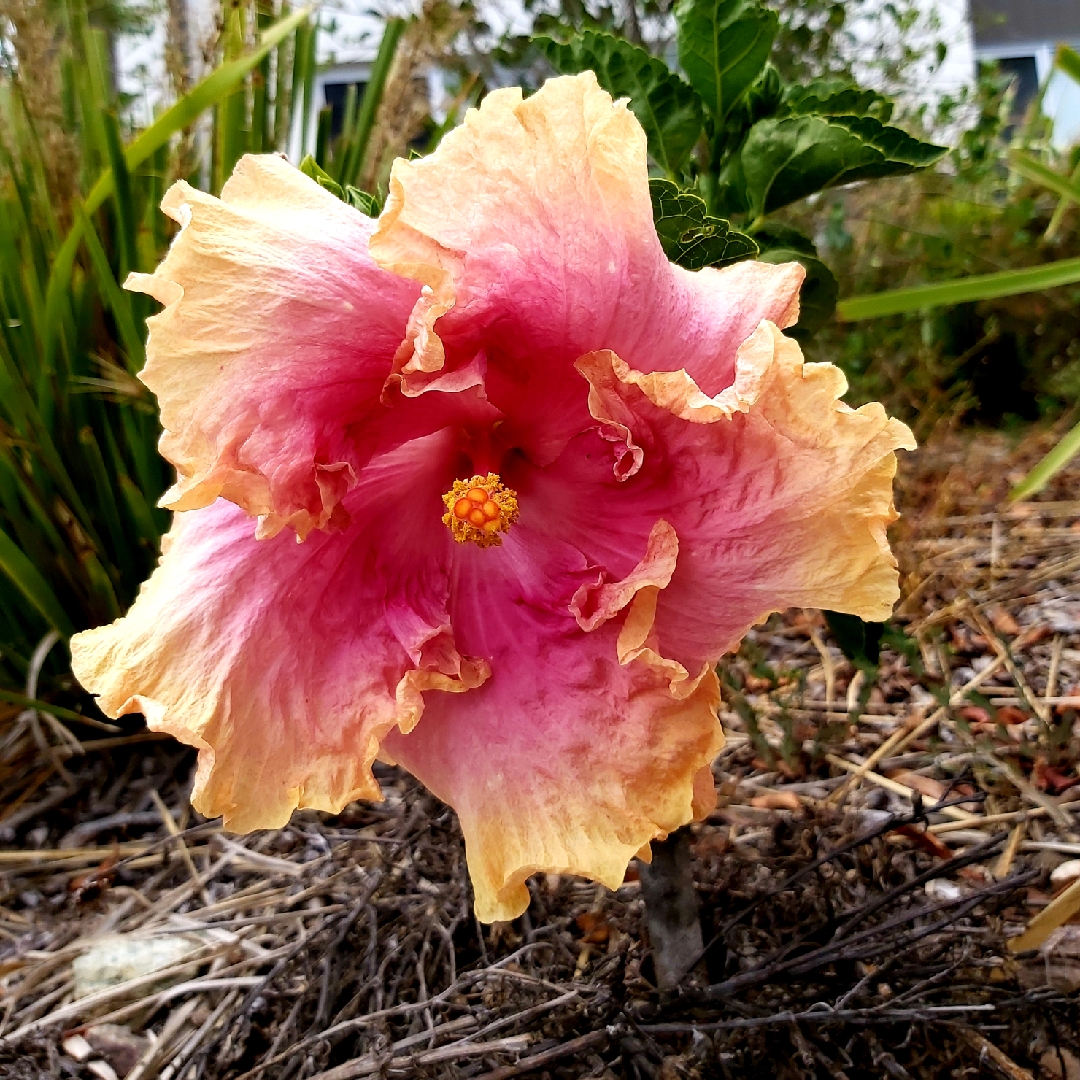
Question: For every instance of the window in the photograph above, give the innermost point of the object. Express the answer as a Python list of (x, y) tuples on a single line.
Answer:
[(1024, 76), (335, 94)]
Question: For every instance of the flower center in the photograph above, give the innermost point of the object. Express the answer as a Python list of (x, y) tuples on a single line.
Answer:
[(479, 509)]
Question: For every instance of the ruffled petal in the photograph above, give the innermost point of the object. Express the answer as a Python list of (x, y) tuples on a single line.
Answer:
[(779, 493), (531, 227), (277, 339), (566, 760), (287, 663)]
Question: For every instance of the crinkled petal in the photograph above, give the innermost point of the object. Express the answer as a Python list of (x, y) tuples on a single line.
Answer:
[(532, 227), (277, 339), (287, 663), (779, 493), (566, 760)]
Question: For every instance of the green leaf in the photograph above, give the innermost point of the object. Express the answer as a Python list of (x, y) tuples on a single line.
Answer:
[(965, 290), (859, 641), (688, 235), (310, 167), (35, 590), (835, 97), (1068, 60), (362, 201), (48, 707), (1049, 467), (723, 46), (360, 136), (786, 160), (817, 298), (357, 199), (219, 83), (141, 513), (765, 94), (1030, 167), (123, 197), (668, 109), (119, 301)]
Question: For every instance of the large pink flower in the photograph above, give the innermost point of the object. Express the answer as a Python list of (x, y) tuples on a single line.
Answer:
[(543, 477)]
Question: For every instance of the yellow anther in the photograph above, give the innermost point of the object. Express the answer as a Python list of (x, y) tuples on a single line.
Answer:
[(479, 509)]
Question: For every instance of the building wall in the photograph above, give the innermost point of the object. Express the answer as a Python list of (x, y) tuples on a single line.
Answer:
[(970, 29), (1026, 33), (1004, 22)]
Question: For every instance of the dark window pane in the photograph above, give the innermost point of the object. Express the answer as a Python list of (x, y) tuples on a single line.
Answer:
[(1024, 76), (335, 98)]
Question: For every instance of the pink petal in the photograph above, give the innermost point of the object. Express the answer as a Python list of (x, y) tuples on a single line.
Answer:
[(532, 227), (779, 493), (287, 663), (566, 760), (278, 336)]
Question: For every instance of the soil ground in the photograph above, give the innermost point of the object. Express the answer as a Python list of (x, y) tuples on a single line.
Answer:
[(886, 885)]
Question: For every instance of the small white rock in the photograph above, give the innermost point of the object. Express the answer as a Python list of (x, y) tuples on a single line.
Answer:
[(939, 889), (117, 958), (102, 1070), (77, 1047), (1065, 874)]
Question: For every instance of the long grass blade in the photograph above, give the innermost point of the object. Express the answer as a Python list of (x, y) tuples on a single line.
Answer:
[(1029, 167), (206, 93), (22, 573), (979, 287), (117, 300), (1068, 60), (231, 141), (1049, 467), (123, 197), (369, 105)]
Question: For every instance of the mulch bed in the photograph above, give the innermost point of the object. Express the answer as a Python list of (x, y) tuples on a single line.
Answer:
[(883, 837)]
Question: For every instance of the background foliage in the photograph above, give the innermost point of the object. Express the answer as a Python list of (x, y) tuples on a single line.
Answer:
[(762, 143)]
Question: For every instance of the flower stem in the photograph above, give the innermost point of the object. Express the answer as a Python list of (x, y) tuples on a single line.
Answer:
[(672, 913)]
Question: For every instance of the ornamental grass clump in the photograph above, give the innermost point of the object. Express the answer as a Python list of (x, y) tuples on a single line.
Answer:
[(543, 480)]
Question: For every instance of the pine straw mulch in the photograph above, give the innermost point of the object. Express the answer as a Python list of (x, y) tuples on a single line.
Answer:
[(881, 839)]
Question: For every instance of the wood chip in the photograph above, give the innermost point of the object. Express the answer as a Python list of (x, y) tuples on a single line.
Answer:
[(1055, 914)]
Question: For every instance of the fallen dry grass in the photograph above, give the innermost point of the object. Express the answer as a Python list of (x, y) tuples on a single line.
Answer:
[(887, 885)]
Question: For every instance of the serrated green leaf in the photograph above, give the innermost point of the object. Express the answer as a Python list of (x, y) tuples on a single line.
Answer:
[(688, 235), (835, 97), (785, 160), (668, 109), (765, 93), (762, 100), (723, 46), (817, 298)]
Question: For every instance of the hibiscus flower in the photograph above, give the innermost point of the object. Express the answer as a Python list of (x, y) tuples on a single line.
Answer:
[(543, 480)]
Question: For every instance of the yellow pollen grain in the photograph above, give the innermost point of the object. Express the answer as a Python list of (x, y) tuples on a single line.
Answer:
[(480, 509)]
